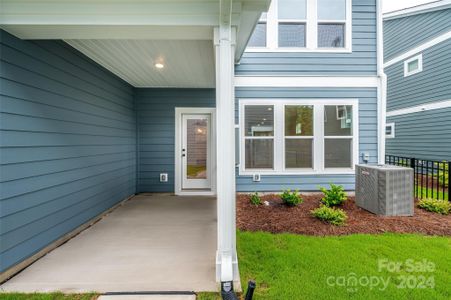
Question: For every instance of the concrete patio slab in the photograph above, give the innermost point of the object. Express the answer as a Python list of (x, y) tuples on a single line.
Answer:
[(153, 242)]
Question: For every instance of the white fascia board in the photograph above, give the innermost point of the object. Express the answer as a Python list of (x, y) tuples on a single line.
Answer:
[(305, 81), (420, 108), (420, 9), (100, 32), (422, 47)]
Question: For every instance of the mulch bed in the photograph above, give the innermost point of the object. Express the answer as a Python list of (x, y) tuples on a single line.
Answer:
[(277, 218)]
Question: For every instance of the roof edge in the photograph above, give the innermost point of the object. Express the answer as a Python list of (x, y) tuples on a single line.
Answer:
[(419, 9)]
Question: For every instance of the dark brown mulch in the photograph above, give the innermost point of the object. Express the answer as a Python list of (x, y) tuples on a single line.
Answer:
[(277, 218)]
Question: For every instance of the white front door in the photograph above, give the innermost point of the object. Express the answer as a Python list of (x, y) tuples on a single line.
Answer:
[(196, 140)]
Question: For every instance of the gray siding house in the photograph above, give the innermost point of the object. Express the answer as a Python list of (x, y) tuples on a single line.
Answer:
[(417, 55), (182, 97)]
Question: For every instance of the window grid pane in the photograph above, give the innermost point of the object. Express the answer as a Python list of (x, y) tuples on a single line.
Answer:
[(413, 65), (259, 153), (338, 120), (298, 120), (338, 153), (331, 9), (298, 153), (259, 120), (331, 35), (291, 35), (292, 9)]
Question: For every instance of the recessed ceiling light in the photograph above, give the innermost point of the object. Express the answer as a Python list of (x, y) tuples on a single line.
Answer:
[(159, 66)]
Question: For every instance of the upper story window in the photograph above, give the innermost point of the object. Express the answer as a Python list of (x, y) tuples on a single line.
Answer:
[(413, 65), (304, 26)]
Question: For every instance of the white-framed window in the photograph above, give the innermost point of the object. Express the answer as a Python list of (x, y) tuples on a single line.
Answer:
[(413, 65), (281, 136), (304, 26), (390, 130)]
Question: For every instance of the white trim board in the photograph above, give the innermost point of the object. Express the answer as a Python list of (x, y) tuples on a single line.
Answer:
[(419, 9), (304, 81), (420, 108), (422, 47)]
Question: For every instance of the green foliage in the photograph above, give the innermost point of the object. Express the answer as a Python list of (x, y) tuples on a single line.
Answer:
[(433, 205), (334, 216), (255, 199), (291, 198), (443, 174), (334, 196), (47, 296)]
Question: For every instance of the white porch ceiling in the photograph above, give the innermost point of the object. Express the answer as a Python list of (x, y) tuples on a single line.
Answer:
[(129, 36), (187, 63)]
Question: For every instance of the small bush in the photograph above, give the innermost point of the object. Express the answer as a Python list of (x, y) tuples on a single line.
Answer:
[(291, 198), (334, 216), (438, 206), (334, 196), (443, 174), (255, 199)]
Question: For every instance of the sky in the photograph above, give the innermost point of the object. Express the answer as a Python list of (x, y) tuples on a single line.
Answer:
[(391, 5)]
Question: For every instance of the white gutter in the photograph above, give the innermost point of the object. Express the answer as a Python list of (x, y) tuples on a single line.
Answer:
[(382, 89)]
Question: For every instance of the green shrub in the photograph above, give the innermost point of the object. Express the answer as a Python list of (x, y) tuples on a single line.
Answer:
[(334, 216), (255, 199), (438, 206), (334, 196), (443, 174), (291, 198)]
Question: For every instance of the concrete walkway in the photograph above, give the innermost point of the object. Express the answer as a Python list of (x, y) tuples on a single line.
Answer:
[(153, 242)]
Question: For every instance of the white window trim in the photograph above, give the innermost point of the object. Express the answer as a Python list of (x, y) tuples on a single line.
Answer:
[(392, 134), (418, 57), (311, 31), (318, 138)]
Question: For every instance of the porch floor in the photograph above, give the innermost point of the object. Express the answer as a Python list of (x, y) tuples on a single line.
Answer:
[(154, 242)]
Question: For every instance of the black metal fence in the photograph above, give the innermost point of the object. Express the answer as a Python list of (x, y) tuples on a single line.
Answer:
[(431, 178)]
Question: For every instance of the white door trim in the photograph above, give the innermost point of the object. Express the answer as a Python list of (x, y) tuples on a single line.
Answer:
[(179, 112)]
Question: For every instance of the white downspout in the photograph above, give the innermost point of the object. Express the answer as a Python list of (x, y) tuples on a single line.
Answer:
[(382, 87)]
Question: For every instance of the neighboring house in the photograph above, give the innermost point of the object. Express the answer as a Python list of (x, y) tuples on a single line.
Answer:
[(417, 54), (149, 96)]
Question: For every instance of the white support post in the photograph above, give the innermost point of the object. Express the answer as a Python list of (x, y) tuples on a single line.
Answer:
[(224, 40)]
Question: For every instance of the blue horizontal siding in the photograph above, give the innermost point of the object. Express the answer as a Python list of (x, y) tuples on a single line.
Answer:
[(362, 60), (67, 143), (156, 131), (423, 135), (367, 136), (430, 85), (403, 34)]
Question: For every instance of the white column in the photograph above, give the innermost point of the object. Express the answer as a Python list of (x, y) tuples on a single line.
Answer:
[(226, 258)]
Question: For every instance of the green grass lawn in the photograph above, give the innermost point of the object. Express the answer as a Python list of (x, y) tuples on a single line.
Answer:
[(49, 296), (288, 266)]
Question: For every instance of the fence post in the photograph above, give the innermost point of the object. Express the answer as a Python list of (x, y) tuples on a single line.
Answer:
[(413, 166), (449, 180)]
